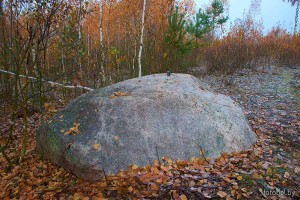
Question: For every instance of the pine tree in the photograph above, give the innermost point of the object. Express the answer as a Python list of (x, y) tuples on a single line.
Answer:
[(175, 39)]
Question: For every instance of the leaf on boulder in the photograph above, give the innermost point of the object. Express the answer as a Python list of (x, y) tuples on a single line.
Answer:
[(96, 147), (74, 130), (119, 94), (117, 138)]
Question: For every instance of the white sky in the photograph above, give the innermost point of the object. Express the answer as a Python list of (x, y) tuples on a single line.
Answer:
[(272, 12)]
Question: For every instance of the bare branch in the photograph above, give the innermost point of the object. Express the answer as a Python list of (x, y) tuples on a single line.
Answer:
[(50, 82)]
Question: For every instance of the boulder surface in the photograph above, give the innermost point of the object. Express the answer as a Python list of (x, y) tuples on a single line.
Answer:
[(138, 120)]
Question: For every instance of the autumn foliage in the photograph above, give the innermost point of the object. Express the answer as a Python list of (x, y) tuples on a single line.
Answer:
[(245, 46)]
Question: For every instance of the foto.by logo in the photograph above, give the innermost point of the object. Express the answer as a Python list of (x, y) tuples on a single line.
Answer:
[(279, 192)]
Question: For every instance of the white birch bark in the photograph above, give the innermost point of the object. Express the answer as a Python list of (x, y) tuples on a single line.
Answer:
[(296, 18), (141, 40), (101, 41), (79, 36), (50, 82)]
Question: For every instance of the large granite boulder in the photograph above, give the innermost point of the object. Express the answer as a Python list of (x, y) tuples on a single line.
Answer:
[(135, 121)]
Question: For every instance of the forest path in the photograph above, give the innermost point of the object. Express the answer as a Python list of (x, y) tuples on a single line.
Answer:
[(270, 97)]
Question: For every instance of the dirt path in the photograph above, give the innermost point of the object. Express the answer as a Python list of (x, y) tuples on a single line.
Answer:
[(270, 97)]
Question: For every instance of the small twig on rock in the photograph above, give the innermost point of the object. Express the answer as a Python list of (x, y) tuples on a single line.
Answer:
[(104, 174), (202, 154), (157, 155)]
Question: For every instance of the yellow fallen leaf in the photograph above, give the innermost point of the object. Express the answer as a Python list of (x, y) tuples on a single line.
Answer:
[(49, 107), (134, 167), (286, 175), (74, 129), (155, 171), (239, 178), (117, 138), (96, 147), (222, 194), (130, 189), (256, 176), (269, 171), (182, 197), (297, 170), (61, 116), (143, 170)]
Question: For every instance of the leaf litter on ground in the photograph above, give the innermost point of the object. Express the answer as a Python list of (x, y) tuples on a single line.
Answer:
[(272, 164)]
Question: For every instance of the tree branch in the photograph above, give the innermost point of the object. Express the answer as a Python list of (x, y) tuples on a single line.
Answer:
[(50, 82)]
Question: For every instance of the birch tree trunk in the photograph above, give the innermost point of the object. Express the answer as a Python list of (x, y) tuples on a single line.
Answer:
[(79, 37), (141, 40), (101, 41), (296, 17)]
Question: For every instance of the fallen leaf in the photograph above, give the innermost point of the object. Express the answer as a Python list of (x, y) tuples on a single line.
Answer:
[(269, 171), (286, 175), (117, 138), (130, 189), (154, 187), (227, 179), (256, 176), (239, 178), (74, 129), (134, 167), (119, 94), (297, 170), (49, 107), (183, 197), (96, 147), (222, 194)]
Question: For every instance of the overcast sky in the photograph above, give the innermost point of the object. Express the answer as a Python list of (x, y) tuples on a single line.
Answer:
[(272, 12)]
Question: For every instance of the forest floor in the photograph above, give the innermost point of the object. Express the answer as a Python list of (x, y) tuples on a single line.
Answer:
[(271, 101)]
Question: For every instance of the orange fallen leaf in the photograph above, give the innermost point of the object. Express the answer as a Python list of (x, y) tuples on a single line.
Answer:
[(119, 94), (74, 129), (96, 147), (183, 197), (227, 179), (154, 187)]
